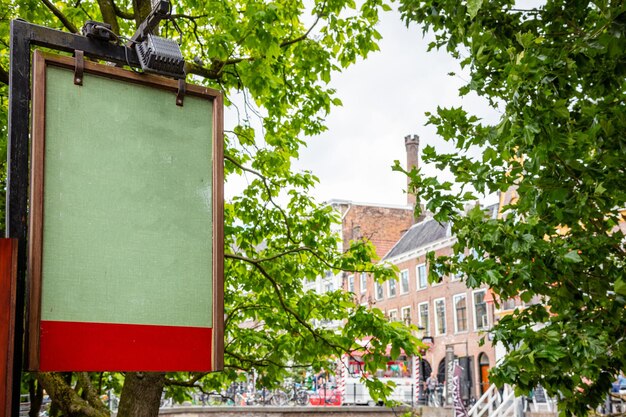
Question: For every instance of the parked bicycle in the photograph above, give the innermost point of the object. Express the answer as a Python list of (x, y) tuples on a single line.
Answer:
[(299, 395), (241, 394), (267, 397)]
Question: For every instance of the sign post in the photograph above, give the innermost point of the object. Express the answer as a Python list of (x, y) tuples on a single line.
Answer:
[(120, 247)]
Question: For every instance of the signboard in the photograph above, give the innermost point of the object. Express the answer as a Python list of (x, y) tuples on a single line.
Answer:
[(126, 222), (457, 401)]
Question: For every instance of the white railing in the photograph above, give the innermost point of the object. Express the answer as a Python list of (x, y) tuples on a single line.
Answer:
[(510, 405), (495, 404), (490, 400)]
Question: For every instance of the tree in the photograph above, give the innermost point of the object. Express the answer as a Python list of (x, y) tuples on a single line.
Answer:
[(276, 235), (557, 75)]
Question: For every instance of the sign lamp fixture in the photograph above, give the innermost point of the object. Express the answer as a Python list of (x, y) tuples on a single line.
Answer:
[(155, 54), (158, 55)]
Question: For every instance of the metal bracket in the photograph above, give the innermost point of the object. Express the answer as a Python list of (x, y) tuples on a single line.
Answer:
[(79, 69), (161, 10), (182, 89)]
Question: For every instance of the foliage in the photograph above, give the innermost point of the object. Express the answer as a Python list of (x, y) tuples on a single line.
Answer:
[(264, 57), (557, 74)]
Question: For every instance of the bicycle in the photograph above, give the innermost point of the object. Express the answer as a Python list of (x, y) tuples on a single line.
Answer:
[(267, 397), (299, 395)]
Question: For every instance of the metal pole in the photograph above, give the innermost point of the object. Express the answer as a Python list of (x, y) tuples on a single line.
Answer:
[(16, 194), (449, 361)]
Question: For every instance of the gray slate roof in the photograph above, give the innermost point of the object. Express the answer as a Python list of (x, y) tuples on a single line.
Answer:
[(420, 234)]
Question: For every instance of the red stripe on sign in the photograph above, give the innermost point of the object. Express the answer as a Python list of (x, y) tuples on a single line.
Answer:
[(77, 346)]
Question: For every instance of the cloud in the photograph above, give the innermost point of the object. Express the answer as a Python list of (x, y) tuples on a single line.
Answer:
[(384, 99)]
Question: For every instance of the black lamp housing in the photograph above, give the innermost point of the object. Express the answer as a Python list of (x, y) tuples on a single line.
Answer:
[(161, 56)]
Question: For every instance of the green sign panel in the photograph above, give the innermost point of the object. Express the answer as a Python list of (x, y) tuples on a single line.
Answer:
[(127, 241)]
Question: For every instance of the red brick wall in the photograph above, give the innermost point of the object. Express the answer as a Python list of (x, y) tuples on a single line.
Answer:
[(383, 226)]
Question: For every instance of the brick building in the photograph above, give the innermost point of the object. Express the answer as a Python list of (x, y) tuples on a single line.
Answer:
[(454, 316), (383, 225)]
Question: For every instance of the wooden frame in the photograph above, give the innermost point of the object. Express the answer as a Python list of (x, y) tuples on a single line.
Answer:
[(40, 64), (8, 281)]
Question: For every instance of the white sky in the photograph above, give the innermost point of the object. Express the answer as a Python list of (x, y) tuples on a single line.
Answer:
[(384, 99)]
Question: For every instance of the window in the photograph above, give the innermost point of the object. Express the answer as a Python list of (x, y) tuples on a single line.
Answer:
[(423, 319), (457, 276), (481, 320), (508, 304), (363, 282), (379, 291), (393, 315), (422, 278), (406, 315), (460, 313), (404, 281), (329, 287), (392, 288), (351, 283), (440, 316)]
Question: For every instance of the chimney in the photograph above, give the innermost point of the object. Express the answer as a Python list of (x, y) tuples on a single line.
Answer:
[(412, 144)]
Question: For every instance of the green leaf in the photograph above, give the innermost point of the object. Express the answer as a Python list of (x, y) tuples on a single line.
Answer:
[(473, 6), (572, 256), (620, 287)]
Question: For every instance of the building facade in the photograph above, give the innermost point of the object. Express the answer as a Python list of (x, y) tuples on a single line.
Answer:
[(382, 225), (452, 317)]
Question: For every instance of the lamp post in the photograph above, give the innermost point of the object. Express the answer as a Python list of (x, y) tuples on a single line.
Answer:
[(450, 360)]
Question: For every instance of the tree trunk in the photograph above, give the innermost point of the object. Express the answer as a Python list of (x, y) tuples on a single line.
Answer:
[(66, 401), (35, 391), (141, 394), (108, 14), (142, 9)]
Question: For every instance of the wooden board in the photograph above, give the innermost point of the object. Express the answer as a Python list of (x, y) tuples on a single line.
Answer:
[(126, 225)]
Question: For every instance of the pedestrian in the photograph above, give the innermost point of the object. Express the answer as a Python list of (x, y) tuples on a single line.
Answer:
[(431, 388)]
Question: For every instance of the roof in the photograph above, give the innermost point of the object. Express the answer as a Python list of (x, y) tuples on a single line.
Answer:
[(335, 202), (421, 234)]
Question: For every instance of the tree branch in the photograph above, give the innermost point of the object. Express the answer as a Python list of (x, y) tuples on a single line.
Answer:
[(189, 383), (121, 13), (107, 9), (304, 36), (264, 362), (242, 308), (66, 22), (215, 71), (142, 9), (89, 393), (188, 17), (267, 189), (282, 301), (66, 398)]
